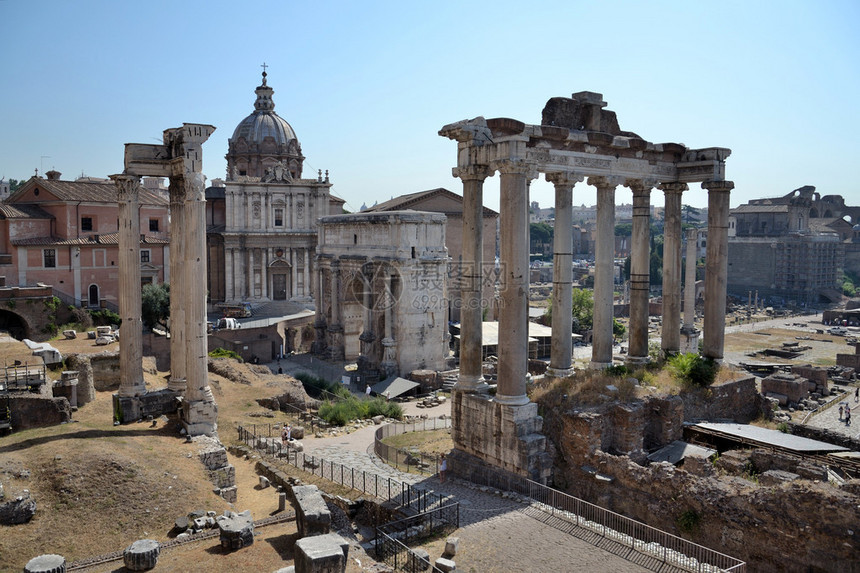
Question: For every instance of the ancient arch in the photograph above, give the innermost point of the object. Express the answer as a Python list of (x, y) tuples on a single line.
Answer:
[(15, 324)]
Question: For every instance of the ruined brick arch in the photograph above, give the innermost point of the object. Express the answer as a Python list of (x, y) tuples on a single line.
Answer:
[(15, 324)]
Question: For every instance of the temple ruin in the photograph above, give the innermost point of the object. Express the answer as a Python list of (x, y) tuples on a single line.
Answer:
[(577, 140), (179, 159)]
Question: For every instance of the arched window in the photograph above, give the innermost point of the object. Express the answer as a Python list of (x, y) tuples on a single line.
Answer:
[(93, 299)]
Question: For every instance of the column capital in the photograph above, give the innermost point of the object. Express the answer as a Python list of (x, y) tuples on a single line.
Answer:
[(718, 186), (673, 187), (564, 178), (640, 186), (606, 181), (516, 167), (692, 233), (127, 187), (472, 172)]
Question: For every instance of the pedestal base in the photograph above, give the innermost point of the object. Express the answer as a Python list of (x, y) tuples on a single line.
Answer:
[(559, 372), (599, 365), (501, 435), (637, 360), (177, 385), (199, 417), (689, 341), (129, 409)]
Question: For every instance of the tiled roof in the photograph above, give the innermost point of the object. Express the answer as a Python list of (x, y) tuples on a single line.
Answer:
[(23, 211), (409, 200), (88, 191), (103, 239), (760, 209)]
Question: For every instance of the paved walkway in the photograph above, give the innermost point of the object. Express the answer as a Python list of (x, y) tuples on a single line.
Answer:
[(828, 417)]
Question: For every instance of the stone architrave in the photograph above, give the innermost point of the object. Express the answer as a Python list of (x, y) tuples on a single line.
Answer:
[(604, 287), (561, 354), (470, 378), (716, 267), (131, 339), (637, 348), (670, 339), (514, 262)]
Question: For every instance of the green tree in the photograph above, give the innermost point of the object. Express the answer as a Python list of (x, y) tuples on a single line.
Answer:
[(689, 213), (582, 309), (15, 184), (624, 229), (155, 303)]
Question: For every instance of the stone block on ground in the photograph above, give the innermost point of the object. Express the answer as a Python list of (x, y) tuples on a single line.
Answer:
[(321, 554), (452, 544), (777, 477), (70, 334), (445, 565), (296, 445), (18, 510), (49, 563), (264, 482), (313, 516), (377, 419), (297, 432), (419, 560), (237, 530), (142, 555)]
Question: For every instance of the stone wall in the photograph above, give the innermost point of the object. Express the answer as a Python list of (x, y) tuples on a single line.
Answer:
[(86, 388), (105, 368), (795, 388), (736, 399), (30, 411)]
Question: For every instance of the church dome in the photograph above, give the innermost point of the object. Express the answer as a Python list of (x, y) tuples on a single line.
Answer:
[(263, 142)]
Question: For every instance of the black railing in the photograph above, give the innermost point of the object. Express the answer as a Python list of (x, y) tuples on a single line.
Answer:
[(422, 463), (400, 493)]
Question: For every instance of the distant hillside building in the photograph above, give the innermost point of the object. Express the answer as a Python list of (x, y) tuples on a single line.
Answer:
[(64, 234), (792, 248)]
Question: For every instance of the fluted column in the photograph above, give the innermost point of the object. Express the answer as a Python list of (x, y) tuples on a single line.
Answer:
[(471, 378), (513, 315), (689, 334), (637, 346), (131, 335), (716, 267), (177, 309), (319, 344), (604, 255), (671, 335), (561, 353), (335, 328), (367, 360)]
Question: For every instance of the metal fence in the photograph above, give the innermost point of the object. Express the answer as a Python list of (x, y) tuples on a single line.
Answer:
[(386, 488), (400, 457), (392, 539), (668, 548)]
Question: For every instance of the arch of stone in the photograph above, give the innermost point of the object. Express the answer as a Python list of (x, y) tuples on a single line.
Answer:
[(180, 159), (578, 141)]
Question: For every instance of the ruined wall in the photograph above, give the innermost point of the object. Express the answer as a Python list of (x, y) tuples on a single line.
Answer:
[(737, 399), (106, 375), (86, 389), (771, 527), (30, 411)]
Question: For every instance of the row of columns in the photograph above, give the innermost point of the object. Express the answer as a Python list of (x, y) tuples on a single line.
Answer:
[(243, 264), (513, 345)]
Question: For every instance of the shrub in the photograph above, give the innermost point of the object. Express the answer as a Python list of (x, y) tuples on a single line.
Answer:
[(105, 317), (316, 386), (693, 370), (353, 408), (224, 353), (688, 521)]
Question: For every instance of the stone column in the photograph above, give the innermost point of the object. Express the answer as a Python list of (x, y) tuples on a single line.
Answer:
[(319, 345), (689, 334), (637, 347), (367, 361), (670, 336), (561, 353), (177, 310), (200, 411), (335, 328), (471, 378), (513, 316), (604, 260), (306, 274), (131, 335), (716, 267), (389, 345)]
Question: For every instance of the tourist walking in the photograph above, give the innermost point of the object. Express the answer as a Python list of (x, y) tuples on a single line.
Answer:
[(840, 411), (443, 467), (367, 391), (285, 435), (847, 415), (857, 394)]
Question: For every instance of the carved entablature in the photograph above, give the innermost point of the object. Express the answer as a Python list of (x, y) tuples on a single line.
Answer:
[(582, 146)]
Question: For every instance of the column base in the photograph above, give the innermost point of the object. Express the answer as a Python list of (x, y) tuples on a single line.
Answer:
[(506, 400), (199, 417), (177, 385), (637, 360), (136, 389), (559, 372), (689, 341), (593, 365), (471, 384)]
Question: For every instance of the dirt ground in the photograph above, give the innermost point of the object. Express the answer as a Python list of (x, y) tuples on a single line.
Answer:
[(99, 487)]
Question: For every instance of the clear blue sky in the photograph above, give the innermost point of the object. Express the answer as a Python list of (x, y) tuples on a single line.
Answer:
[(367, 85)]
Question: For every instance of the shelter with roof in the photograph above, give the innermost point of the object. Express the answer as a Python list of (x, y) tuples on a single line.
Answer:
[(64, 234), (261, 229), (450, 204)]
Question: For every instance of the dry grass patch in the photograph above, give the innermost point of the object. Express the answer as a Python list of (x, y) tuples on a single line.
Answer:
[(430, 442)]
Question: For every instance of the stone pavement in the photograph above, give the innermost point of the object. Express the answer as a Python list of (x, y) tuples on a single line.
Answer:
[(827, 417)]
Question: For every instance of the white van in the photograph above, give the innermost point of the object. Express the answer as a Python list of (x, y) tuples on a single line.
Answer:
[(228, 324)]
